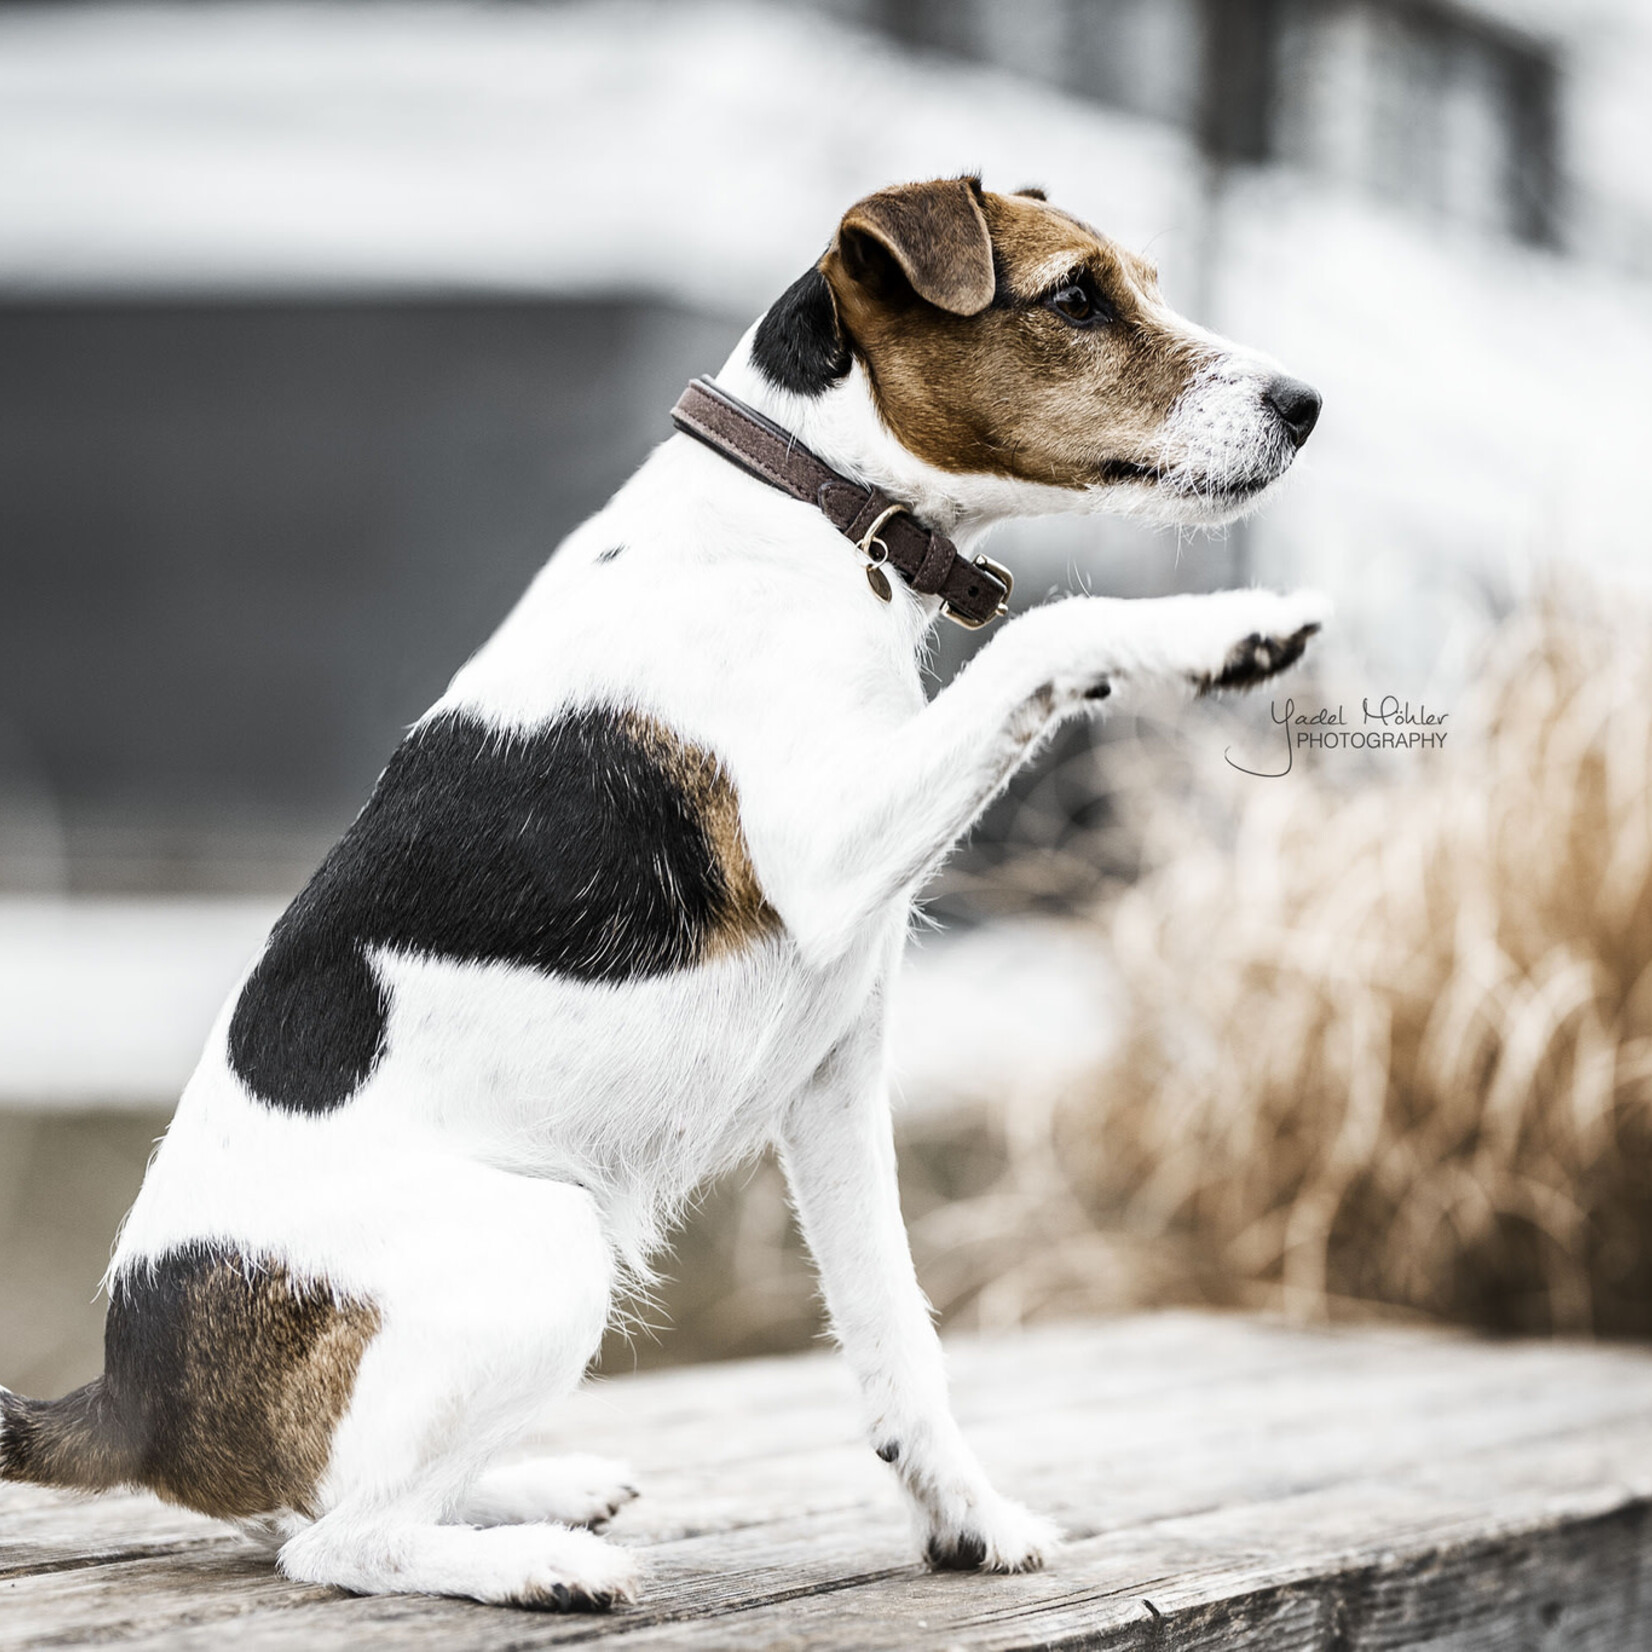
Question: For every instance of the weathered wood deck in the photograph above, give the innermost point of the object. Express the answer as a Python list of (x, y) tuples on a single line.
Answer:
[(1226, 1484)]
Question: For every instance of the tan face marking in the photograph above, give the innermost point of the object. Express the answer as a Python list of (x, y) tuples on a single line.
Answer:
[(1014, 389)]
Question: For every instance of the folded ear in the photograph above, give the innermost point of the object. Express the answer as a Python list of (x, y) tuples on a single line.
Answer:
[(935, 235)]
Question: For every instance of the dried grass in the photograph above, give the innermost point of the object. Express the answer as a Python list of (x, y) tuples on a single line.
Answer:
[(1395, 1047)]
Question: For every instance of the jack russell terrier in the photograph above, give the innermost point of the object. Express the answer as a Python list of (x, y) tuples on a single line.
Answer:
[(624, 908)]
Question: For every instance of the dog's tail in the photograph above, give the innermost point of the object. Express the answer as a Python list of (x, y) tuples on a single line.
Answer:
[(76, 1442)]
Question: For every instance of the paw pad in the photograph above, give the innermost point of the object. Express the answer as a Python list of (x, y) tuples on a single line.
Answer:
[(567, 1597), (1257, 658), (963, 1552)]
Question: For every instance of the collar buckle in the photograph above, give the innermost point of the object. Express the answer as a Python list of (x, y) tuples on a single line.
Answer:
[(1004, 578)]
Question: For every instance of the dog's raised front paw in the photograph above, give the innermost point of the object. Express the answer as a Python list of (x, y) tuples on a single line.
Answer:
[(1272, 632), (1258, 657), (999, 1536)]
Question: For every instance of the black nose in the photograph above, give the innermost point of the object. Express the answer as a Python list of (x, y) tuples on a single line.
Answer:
[(1297, 405)]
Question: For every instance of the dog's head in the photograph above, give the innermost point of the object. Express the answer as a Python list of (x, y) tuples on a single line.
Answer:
[(1002, 338)]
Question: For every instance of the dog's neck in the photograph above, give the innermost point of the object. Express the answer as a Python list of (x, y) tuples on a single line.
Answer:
[(842, 426)]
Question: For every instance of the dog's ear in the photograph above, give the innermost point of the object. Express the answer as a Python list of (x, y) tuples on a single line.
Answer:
[(799, 344), (932, 237)]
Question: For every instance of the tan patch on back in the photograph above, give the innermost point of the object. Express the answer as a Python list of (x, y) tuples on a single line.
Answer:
[(230, 1377), (1014, 390), (745, 915)]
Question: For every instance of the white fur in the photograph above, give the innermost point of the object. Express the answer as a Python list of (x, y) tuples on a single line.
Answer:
[(526, 1138), (577, 1490)]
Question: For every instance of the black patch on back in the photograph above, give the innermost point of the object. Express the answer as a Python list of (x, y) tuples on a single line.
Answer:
[(798, 345), (589, 849), (308, 1029), (609, 554)]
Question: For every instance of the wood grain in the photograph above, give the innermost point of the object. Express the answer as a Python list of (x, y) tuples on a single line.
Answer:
[(1225, 1483)]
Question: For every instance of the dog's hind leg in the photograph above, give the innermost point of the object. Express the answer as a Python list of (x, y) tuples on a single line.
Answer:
[(577, 1490), (493, 1295), (381, 1552)]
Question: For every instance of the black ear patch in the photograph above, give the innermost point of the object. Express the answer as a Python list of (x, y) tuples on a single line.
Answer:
[(798, 345), (601, 848)]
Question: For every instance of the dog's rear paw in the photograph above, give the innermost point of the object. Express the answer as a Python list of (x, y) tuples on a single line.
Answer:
[(999, 1537), (566, 1597), (577, 1490), (594, 1578), (569, 1597), (547, 1567)]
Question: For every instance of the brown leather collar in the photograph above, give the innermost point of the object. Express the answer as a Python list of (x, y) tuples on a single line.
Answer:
[(883, 529)]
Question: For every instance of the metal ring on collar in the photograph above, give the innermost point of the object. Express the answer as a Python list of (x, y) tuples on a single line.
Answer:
[(870, 537)]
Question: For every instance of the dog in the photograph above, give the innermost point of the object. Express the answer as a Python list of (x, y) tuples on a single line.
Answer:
[(624, 908)]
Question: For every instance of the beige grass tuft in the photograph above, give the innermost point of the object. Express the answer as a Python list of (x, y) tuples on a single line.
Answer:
[(1396, 1047)]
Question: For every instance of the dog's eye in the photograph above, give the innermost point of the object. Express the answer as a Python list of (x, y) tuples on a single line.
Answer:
[(1078, 302)]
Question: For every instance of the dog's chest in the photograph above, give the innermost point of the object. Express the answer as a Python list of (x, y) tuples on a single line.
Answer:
[(563, 932), (658, 1081)]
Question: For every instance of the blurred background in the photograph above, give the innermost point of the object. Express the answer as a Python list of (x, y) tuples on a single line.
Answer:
[(322, 323)]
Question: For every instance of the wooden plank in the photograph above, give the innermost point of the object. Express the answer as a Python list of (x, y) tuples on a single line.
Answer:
[(1227, 1484)]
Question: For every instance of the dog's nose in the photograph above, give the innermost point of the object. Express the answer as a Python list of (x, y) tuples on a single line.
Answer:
[(1297, 405)]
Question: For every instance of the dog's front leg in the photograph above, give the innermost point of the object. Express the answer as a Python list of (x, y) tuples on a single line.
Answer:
[(839, 1158), (873, 823)]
